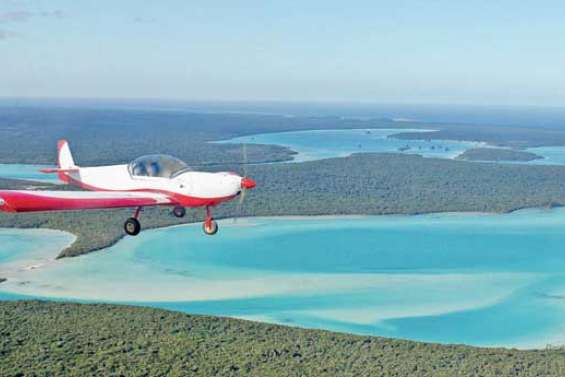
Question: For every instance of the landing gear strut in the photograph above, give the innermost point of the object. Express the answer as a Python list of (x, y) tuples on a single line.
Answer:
[(132, 225), (210, 226), (179, 211)]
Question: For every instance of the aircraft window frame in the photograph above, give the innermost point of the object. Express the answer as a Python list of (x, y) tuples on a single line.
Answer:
[(157, 166)]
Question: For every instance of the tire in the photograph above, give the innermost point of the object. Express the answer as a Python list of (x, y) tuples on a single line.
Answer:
[(179, 212), (212, 229), (132, 226)]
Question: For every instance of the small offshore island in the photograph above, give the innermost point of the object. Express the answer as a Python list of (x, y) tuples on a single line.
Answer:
[(498, 154)]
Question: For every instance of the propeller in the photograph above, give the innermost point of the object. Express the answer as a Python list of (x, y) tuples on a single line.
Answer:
[(243, 192), (243, 188)]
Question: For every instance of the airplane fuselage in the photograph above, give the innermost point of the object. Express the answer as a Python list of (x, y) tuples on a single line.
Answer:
[(190, 189)]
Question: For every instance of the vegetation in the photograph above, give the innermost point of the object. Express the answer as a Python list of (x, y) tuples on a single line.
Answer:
[(515, 137), (53, 339), (497, 154), (105, 136), (408, 184)]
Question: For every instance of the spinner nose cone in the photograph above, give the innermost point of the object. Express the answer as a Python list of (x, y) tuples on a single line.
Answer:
[(247, 183), (4, 205)]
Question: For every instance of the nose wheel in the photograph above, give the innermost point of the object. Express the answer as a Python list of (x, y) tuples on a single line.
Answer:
[(210, 226), (179, 212)]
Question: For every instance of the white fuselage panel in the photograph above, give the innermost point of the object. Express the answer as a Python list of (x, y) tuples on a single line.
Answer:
[(193, 184)]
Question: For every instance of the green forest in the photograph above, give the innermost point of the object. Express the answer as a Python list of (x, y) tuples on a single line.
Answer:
[(497, 154), (54, 339)]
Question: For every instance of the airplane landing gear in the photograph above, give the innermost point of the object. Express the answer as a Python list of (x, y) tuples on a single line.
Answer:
[(210, 226), (179, 211), (132, 225)]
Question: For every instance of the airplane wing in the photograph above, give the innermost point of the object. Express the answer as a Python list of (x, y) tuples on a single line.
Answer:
[(33, 201)]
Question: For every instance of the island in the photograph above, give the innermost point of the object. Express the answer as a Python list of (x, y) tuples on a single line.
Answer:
[(2, 280), (498, 154), (102, 339)]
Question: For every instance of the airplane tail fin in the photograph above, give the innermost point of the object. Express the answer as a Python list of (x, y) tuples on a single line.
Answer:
[(65, 158)]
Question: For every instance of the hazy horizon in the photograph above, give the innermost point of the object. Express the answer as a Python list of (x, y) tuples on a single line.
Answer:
[(406, 52)]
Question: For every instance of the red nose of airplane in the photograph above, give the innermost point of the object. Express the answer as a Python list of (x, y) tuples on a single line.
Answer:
[(247, 183)]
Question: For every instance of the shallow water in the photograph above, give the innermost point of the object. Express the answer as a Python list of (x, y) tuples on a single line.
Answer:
[(455, 278), (321, 144), (551, 155), (27, 172)]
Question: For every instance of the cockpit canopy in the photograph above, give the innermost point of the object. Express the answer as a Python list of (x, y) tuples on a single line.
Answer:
[(157, 165)]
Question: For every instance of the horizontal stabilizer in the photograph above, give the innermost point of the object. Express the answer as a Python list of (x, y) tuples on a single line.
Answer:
[(55, 170)]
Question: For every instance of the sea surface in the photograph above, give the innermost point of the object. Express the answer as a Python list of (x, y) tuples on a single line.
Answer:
[(23, 250), (27, 172), (531, 116), (489, 280), (321, 144)]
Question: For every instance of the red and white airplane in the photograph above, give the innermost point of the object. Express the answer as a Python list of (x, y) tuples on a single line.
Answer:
[(152, 180)]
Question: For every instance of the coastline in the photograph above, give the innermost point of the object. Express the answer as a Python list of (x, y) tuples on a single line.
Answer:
[(246, 347), (199, 289), (305, 217), (37, 258)]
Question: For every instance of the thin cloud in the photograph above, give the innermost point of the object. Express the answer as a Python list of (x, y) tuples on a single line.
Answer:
[(53, 14), (16, 16), (144, 20), (6, 34), (24, 16)]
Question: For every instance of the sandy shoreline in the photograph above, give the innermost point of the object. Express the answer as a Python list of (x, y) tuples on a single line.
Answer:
[(40, 256)]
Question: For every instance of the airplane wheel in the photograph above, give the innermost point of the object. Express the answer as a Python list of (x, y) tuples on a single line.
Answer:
[(132, 226), (179, 211), (210, 227)]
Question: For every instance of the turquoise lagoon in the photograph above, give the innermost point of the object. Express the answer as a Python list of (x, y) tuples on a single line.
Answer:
[(24, 251), (490, 280), (320, 144), (551, 155), (27, 172)]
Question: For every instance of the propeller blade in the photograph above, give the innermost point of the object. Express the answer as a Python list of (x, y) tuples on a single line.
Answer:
[(245, 159), (243, 188), (242, 196)]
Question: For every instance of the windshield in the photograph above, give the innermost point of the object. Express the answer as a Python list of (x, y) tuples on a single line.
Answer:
[(157, 165)]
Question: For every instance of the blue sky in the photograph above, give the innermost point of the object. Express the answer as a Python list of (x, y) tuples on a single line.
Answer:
[(477, 52)]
